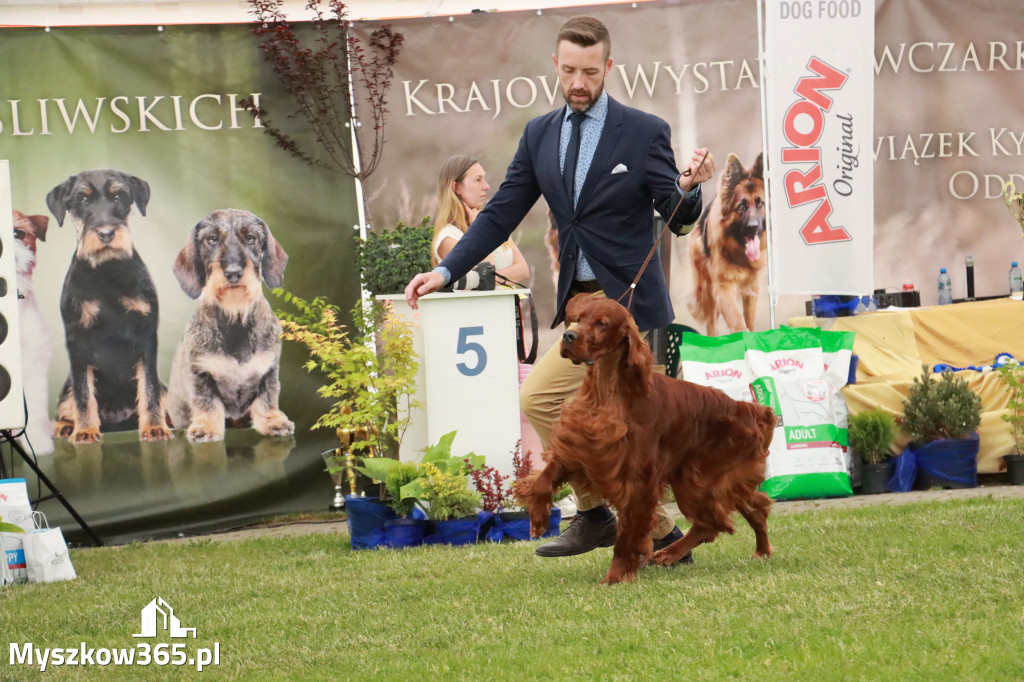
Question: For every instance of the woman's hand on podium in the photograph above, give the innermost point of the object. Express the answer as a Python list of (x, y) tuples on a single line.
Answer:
[(421, 285)]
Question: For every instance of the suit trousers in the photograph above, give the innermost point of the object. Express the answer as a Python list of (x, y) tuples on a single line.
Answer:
[(552, 381)]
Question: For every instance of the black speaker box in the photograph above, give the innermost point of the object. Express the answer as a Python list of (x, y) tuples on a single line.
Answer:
[(12, 403)]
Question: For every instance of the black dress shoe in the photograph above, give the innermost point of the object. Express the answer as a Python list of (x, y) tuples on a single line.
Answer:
[(581, 536), (668, 540)]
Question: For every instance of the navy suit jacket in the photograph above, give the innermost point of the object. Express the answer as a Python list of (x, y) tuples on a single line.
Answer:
[(613, 221)]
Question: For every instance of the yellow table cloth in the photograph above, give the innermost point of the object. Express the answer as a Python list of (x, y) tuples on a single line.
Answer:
[(891, 346)]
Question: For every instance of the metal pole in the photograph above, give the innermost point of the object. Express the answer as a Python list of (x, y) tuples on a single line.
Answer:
[(6, 435), (353, 123), (772, 297)]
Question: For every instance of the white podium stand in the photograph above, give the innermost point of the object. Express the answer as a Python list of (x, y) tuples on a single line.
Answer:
[(468, 379)]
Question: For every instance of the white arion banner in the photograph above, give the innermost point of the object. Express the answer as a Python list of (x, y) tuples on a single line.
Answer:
[(819, 93)]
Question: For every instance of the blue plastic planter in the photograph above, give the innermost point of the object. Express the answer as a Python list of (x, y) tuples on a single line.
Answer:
[(366, 517), (404, 532), (941, 463), (455, 532)]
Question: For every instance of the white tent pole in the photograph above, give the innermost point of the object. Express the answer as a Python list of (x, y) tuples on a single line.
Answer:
[(772, 297), (352, 124)]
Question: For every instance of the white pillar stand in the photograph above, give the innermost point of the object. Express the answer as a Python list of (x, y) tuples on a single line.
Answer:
[(468, 379)]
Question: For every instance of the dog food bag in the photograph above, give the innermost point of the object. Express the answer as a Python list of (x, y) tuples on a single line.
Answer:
[(837, 348), (807, 458), (13, 548), (790, 352), (14, 503), (716, 361)]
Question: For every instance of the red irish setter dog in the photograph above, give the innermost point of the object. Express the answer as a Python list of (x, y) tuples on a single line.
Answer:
[(630, 432)]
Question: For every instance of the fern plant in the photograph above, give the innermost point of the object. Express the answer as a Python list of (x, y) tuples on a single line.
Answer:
[(940, 409)]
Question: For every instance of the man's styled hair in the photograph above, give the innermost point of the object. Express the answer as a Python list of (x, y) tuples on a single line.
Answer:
[(585, 31)]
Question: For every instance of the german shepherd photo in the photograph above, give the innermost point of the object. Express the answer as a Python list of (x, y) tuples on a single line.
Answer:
[(728, 250)]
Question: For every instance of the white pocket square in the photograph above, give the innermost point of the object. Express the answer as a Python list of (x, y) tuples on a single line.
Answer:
[(621, 168)]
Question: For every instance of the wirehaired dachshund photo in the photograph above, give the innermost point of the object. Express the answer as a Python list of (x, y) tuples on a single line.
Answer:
[(110, 313), (226, 366), (630, 432)]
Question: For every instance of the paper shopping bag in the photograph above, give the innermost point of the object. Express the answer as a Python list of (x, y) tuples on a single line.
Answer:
[(14, 504), (12, 568), (46, 556)]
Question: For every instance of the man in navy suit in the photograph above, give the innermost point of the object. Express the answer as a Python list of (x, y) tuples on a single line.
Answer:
[(601, 166)]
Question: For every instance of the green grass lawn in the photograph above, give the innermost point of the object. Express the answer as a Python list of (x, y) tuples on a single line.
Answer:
[(929, 591)]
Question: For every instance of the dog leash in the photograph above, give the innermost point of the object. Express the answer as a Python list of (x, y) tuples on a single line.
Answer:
[(524, 357), (632, 287)]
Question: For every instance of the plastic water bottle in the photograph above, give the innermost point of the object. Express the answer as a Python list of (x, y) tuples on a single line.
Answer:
[(1016, 284), (945, 287)]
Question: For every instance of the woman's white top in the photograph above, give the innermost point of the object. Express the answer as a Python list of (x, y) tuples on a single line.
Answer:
[(503, 255)]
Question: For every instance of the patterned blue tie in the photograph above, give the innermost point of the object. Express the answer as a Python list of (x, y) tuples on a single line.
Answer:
[(571, 152)]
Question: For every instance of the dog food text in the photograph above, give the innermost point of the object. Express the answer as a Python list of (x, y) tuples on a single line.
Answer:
[(823, 9)]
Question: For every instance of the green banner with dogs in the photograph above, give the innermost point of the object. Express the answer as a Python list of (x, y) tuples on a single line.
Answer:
[(152, 214)]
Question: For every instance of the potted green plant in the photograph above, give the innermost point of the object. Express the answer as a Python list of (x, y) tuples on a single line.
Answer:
[(443, 493), (390, 258), (368, 370), (941, 418), (871, 434), (404, 530), (452, 506), (1012, 376)]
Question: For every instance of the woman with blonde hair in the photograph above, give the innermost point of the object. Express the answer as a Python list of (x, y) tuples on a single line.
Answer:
[(462, 192)]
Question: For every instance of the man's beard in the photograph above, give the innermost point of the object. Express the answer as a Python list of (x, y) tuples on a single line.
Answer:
[(590, 99)]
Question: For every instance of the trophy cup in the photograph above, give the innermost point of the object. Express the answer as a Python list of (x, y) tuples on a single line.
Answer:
[(340, 465), (336, 468), (348, 462), (1015, 202)]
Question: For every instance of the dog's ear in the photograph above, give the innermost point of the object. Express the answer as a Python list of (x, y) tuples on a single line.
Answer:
[(56, 199), (758, 170), (731, 177), (140, 192), (638, 360), (273, 263), (734, 172), (188, 267), (574, 306), (40, 222)]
